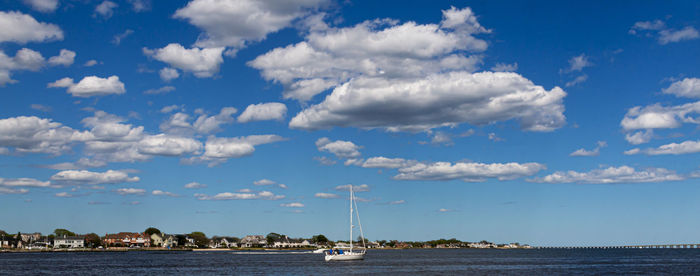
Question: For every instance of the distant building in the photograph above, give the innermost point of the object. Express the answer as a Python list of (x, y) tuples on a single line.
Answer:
[(69, 242), (223, 242), (163, 240), (253, 241), (127, 239)]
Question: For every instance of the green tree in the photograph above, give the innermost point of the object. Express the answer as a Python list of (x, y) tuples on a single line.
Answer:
[(200, 239), (93, 240), (319, 239), (152, 230), (63, 232), (272, 237)]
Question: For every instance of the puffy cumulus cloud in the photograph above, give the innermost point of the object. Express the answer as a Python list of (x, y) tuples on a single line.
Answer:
[(171, 108), (292, 205), (163, 193), (130, 191), (25, 60), (22, 28), (688, 87), (684, 147), (38, 135), (341, 149), (238, 196), (610, 175), (326, 195), (639, 137), (166, 145), (179, 123), (382, 48), (437, 100), (65, 58), (577, 63), (657, 116), (264, 182), (5, 191), (236, 23), (42, 5), (202, 62), (24, 182), (168, 74), (219, 149), (84, 177), (195, 185), (387, 163), (355, 188), (467, 171), (593, 152), (105, 9), (664, 35), (263, 111), (91, 86)]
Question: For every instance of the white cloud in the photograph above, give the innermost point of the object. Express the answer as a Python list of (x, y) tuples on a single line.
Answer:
[(632, 151), (656, 116), (324, 160), (236, 23), (163, 90), (494, 137), (64, 194), (397, 202), (503, 67), (42, 5), (688, 87), (41, 107), (356, 188), (387, 163), (179, 123), (163, 193), (264, 182), (238, 196), (341, 149), (119, 37), (83, 177), (170, 108), (22, 28), (130, 191), (578, 80), (622, 174), (23, 182), (326, 195), (282, 186), (437, 100), (263, 111), (91, 86), (24, 59), (467, 171), (380, 48), (91, 63), (37, 135), (594, 152), (293, 205), (105, 9), (664, 35), (639, 137), (202, 62), (670, 35), (195, 185), (140, 5), (167, 145), (4, 191), (219, 149), (65, 58), (577, 63), (684, 147), (168, 74)]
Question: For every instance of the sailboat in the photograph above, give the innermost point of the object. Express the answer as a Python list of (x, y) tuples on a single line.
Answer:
[(348, 253)]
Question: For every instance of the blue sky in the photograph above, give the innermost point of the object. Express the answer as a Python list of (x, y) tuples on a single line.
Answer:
[(538, 122)]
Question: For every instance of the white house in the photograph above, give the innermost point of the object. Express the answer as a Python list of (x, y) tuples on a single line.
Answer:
[(254, 241), (68, 242)]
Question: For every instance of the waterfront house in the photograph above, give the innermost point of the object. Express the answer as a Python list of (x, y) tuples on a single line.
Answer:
[(127, 239), (189, 242), (69, 242), (253, 241), (223, 242), (163, 240)]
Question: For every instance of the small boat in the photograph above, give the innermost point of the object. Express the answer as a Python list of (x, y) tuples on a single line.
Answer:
[(347, 253)]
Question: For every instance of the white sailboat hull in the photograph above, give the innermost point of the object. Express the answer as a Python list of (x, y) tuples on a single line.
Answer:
[(347, 256)]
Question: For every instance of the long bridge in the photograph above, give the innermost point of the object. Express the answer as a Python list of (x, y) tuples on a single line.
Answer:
[(681, 245)]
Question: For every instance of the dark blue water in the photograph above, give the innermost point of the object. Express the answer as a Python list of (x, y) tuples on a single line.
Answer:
[(417, 261)]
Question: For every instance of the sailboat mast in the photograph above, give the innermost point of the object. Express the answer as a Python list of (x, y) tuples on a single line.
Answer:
[(351, 200)]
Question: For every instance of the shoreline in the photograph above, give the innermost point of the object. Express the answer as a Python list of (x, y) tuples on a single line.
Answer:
[(126, 249)]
